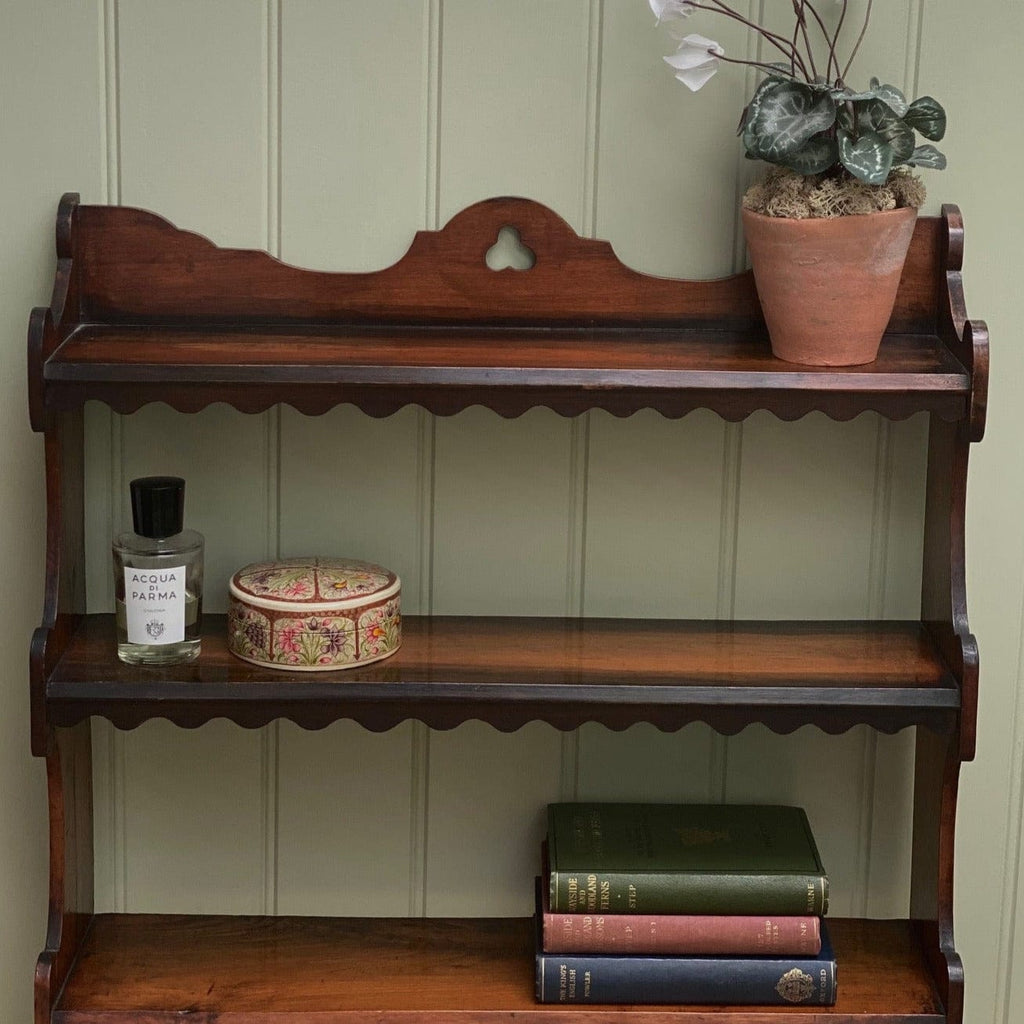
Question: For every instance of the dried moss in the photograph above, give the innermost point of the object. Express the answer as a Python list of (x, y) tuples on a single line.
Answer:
[(784, 193)]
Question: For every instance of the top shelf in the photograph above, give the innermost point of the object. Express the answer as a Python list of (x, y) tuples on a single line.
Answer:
[(143, 311)]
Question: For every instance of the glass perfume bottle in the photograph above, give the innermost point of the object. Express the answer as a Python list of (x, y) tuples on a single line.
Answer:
[(158, 577)]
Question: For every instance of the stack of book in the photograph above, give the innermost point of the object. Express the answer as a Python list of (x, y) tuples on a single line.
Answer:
[(682, 903)]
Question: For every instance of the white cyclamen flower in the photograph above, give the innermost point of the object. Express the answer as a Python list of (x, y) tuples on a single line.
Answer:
[(695, 61), (667, 10)]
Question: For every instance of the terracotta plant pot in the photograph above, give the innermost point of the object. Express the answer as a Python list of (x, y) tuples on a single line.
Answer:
[(827, 287)]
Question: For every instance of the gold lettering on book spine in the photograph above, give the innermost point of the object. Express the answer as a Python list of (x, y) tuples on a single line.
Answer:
[(795, 986)]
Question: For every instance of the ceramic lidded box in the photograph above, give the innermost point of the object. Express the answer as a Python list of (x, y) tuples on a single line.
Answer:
[(314, 614)]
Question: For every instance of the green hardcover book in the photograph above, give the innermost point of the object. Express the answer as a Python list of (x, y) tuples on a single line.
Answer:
[(615, 858)]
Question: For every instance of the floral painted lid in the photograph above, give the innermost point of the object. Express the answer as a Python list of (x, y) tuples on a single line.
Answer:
[(313, 582)]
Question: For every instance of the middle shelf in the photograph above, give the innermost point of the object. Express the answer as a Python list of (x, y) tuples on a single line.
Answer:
[(565, 671)]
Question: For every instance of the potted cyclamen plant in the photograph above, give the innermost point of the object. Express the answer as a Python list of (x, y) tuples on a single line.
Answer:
[(829, 227)]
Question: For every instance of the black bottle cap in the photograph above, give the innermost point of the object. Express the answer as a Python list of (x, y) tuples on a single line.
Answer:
[(158, 505)]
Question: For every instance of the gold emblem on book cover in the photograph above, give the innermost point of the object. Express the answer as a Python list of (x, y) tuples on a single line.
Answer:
[(702, 836), (795, 986)]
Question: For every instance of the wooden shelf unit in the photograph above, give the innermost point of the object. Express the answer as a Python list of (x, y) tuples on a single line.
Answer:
[(144, 312)]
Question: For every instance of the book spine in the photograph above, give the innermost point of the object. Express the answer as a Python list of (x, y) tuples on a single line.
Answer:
[(716, 981), (681, 933), (669, 892)]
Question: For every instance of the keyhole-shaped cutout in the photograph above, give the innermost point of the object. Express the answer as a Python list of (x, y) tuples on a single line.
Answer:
[(509, 252)]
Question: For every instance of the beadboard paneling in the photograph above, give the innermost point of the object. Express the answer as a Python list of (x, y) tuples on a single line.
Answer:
[(516, 110), (193, 820), (360, 123), (972, 82), (806, 518), (823, 778), (643, 763), (666, 192), (192, 93), (350, 485), (344, 821), (487, 788), (501, 514), (52, 141), (353, 130), (192, 125), (206, 824), (654, 522), (513, 103)]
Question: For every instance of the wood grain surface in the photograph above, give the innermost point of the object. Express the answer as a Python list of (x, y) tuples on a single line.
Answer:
[(507, 671), (158, 313), (153, 969)]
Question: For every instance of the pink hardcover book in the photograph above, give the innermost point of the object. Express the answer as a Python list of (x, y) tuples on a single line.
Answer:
[(678, 933)]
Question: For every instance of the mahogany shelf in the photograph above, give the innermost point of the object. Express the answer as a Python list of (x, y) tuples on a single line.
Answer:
[(159, 969), (511, 368), (142, 312), (507, 671)]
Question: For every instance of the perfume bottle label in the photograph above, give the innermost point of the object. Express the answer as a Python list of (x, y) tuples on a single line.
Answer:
[(154, 602)]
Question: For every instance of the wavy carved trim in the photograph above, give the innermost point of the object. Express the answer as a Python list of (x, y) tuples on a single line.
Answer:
[(727, 722), (450, 401)]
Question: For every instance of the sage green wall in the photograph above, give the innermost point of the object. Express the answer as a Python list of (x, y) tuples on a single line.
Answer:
[(327, 132)]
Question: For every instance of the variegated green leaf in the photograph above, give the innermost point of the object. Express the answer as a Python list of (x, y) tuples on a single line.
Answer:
[(901, 139), (814, 157), (873, 115), (927, 116), (877, 116), (892, 97), (888, 94), (927, 156), (783, 116), (868, 158)]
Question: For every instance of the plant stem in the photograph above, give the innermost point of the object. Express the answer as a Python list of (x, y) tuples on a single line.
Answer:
[(779, 42), (860, 39), (774, 69), (801, 21), (835, 43), (832, 59)]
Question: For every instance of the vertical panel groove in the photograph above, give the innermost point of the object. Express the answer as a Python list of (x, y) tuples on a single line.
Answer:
[(915, 35), (112, 125), (270, 761), (419, 781), (880, 515), (579, 438), (434, 15), (588, 215), (116, 755), (732, 453), (576, 554), (1012, 853), (866, 821), (725, 601), (270, 738), (274, 156), (118, 752), (120, 818)]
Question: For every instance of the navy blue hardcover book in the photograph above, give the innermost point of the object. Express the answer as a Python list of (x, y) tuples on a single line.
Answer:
[(715, 980)]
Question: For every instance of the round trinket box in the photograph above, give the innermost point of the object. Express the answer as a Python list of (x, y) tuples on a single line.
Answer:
[(314, 614)]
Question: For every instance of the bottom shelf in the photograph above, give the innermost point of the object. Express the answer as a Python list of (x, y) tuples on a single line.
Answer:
[(155, 969)]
